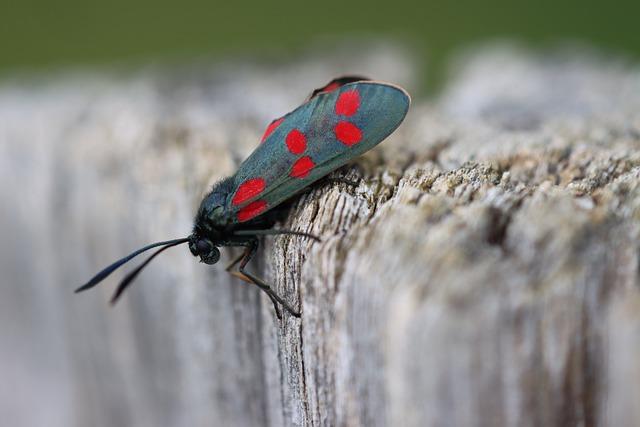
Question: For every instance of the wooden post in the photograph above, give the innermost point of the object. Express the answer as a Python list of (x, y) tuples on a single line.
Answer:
[(484, 272)]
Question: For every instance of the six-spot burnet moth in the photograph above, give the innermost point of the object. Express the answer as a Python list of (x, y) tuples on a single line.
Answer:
[(339, 121)]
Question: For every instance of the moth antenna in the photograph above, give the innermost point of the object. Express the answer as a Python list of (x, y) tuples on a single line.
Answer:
[(111, 268), (132, 275), (276, 232)]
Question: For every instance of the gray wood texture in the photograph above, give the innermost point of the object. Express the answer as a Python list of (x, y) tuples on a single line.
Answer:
[(484, 272)]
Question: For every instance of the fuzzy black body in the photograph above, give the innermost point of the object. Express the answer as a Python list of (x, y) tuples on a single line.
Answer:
[(214, 227)]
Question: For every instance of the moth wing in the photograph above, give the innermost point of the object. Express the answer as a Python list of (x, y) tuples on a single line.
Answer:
[(313, 140), (329, 87), (336, 84)]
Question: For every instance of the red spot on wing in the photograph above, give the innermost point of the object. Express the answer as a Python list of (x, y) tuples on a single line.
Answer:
[(302, 167), (272, 126), (348, 133), (252, 210), (248, 190), (331, 87), (348, 103), (296, 142)]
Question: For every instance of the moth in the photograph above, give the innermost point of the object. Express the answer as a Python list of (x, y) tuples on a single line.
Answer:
[(339, 121)]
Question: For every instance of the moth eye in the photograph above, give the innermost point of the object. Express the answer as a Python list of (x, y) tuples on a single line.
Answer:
[(203, 246), (211, 256)]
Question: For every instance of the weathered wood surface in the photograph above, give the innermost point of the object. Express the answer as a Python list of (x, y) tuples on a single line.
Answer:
[(483, 273)]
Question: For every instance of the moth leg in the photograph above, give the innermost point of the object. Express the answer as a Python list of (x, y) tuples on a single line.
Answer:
[(244, 277), (340, 180), (329, 181), (235, 262), (240, 276), (275, 298)]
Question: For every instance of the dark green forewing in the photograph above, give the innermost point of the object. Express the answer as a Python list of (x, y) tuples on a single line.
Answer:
[(318, 137)]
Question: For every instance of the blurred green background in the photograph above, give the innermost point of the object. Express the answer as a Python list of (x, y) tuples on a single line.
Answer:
[(38, 34)]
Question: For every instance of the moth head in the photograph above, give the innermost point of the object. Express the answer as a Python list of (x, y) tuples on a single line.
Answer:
[(204, 248)]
